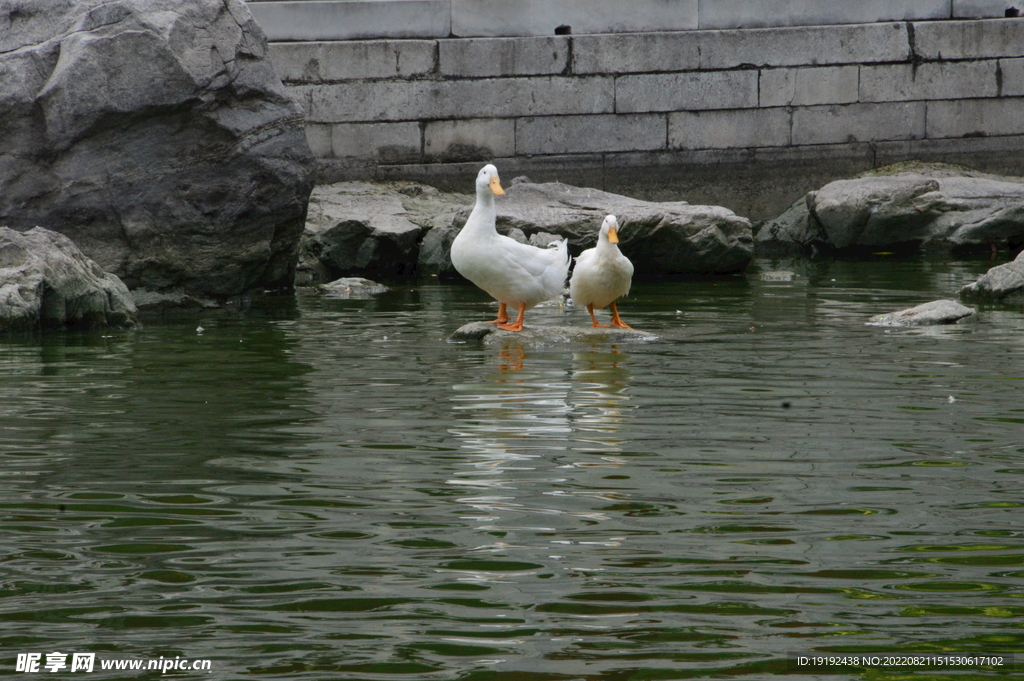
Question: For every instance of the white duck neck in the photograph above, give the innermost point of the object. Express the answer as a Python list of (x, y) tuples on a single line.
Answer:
[(483, 213), (605, 246)]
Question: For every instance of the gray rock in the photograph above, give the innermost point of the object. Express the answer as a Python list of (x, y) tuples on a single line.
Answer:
[(921, 205), (154, 134), (543, 239), (46, 282), (1001, 283), (935, 312), (792, 233), (359, 228), (547, 335), (351, 287), (355, 228), (360, 234), (660, 238)]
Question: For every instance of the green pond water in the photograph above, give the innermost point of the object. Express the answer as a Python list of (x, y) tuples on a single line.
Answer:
[(316, 488)]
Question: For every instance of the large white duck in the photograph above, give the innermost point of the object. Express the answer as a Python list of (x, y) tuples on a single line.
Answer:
[(602, 274), (515, 274)]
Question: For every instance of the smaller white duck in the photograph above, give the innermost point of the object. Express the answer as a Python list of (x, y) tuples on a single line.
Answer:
[(515, 274), (602, 274)]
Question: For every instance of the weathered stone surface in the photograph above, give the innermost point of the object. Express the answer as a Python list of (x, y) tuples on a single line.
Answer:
[(155, 135), (607, 132), (547, 335), (393, 229), (490, 57), (735, 128), (935, 80), (975, 117), (927, 205), (351, 287), (935, 312), (809, 85), (685, 91), (791, 233), (1001, 283), (46, 282), (324, 62), (469, 140), (356, 228), (860, 122), (366, 101), (660, 238), (365, 232)]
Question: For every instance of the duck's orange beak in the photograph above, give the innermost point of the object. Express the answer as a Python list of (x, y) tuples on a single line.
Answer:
[(495, 186), (613, 235)]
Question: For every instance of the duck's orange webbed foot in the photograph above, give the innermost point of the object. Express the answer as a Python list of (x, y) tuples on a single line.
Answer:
[(502, 315), (593, 318), (617, 320), (517, 325)]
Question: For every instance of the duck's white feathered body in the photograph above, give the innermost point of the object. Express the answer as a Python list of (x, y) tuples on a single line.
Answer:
[(511, 272), (602, 274)]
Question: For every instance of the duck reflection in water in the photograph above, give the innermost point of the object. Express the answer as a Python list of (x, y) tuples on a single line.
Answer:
[(512, 357), (532, 420), (600, 384)]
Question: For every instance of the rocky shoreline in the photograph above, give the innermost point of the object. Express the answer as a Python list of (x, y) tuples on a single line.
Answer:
[(155, 136), (357, 233)]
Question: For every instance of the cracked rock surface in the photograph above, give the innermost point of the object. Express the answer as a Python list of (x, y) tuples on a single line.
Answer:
[(917, 205), (154, 134), (46, 282)]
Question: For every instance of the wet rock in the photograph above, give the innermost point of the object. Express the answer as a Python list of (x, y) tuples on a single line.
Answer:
[(547, 335), (910, 205), (935, 312), (46, 282), (1003, 283), (152, 301), (154, 134), (351, 287)]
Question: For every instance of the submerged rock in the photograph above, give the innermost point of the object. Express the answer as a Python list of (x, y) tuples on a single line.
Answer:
[(918, 205), (1001, 283), (351, 287), (154, 134), (547, 335), (935, 312), (46, 282)]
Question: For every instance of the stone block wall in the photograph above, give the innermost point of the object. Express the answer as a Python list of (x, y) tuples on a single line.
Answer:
[(746, 118)]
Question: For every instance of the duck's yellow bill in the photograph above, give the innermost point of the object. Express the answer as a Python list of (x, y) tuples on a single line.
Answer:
[(613, 235), (495, 186)]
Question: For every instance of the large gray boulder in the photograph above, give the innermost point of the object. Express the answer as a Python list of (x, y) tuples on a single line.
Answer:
[(1003, 283), (915, 205), (155, 134), (395, 229), (669, 238), (46, 282)]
